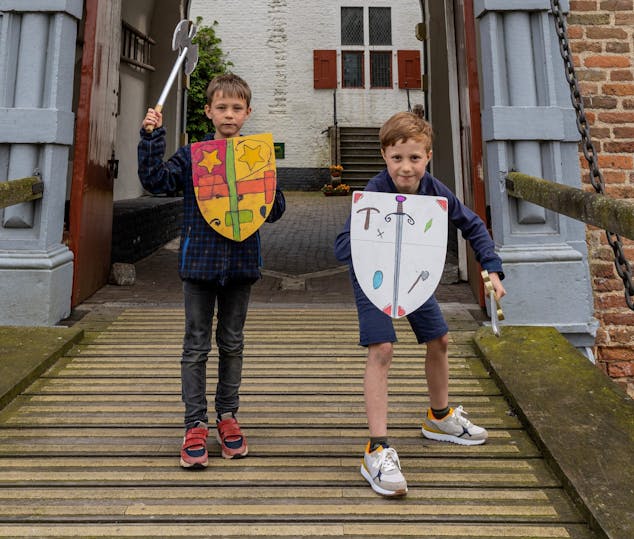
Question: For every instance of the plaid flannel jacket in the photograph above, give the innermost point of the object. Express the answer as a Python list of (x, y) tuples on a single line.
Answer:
[(204, 254)]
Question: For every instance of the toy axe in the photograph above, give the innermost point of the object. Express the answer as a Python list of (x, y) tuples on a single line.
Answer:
[(183, 35)]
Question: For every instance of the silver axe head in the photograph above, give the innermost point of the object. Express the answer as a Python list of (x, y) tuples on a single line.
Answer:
[(182, 40)]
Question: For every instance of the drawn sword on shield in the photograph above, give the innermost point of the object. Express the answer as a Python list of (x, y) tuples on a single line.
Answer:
[(399, 215), (182, 39)]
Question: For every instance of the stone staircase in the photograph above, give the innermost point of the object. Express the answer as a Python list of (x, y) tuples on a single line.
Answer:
[(360, 153)]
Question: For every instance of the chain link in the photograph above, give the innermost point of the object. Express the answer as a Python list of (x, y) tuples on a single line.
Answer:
[(623, 267)]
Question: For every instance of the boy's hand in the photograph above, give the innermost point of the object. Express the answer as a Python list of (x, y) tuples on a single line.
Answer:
[(497, 285), (153, 120)]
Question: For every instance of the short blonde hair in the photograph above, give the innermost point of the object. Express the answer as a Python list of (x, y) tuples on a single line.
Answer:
[(231, 86), (403, 126)]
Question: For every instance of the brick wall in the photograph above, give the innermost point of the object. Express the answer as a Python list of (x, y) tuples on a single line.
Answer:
[(601, 33), (141, 225)]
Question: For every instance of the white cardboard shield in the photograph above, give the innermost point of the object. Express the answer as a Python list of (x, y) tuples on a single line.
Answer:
[(399, 244)]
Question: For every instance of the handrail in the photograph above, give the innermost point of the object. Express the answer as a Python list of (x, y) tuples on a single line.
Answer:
[(615, 215), (22, 190)]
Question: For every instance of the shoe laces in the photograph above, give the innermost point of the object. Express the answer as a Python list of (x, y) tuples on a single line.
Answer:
[(388, 460), (459, 413)]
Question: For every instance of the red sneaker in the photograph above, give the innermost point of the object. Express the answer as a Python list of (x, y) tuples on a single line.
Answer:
[(194, 449), (231, 439)]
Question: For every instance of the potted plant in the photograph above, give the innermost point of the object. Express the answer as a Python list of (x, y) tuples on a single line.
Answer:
[(341, 189)]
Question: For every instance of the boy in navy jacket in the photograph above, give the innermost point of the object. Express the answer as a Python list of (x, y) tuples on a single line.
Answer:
[(214, 269), (406, 140)]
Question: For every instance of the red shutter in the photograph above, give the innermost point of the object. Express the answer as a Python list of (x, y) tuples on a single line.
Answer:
[(325, 69), (409, 69)]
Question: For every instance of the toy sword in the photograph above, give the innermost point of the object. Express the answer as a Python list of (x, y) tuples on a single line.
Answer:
[(496, 310), (399, 213), (182, 39)]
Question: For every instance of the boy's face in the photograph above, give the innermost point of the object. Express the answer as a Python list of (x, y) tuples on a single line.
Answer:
[(228, 114), (406, 162)]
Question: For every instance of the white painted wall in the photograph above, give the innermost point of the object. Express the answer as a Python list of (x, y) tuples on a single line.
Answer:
[(271, 43), (132, 105)]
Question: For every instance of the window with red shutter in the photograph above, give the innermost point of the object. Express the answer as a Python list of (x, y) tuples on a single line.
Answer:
[(409, 69), (325, 69)]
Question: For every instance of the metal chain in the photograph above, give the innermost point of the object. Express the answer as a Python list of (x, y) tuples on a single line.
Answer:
[(621, 264)]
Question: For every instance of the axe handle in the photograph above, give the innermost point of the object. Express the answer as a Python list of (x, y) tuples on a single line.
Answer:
[(158, 108), (168, 84)]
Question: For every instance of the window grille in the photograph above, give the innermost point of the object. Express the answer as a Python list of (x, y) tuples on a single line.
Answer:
[(135, 47), (352, 26), (380, 69), (380, 19), (352, 62)]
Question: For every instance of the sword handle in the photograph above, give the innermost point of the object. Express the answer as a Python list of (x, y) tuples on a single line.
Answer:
[(150, 128)]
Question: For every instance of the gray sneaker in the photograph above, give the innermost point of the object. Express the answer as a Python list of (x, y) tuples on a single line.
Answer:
[(454, 427), (382, 469)]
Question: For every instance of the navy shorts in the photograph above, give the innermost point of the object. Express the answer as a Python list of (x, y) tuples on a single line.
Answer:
[(376, 327)]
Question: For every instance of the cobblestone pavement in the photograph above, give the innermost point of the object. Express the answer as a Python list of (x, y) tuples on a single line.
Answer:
[(299, 263)]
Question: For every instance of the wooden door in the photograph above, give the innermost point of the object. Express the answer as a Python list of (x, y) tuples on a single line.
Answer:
[(90, 212), (470, 127)]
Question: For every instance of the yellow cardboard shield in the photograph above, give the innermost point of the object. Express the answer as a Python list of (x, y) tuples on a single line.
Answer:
[(234, 182)]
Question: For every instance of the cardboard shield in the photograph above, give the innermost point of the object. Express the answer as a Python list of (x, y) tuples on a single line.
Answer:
[(234, 182), (399, 244)]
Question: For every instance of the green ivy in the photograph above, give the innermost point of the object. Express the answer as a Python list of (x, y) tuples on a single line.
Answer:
[(211, 62)]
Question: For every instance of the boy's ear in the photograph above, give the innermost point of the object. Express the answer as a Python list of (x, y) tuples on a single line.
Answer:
[(429, 155), (208, 110), (383, 154)]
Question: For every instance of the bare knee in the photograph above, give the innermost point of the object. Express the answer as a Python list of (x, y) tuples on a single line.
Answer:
[(438, 347), (380, 355)]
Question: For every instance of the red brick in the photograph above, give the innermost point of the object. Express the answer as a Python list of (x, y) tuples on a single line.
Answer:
[(621, 75), (615, 161), (618, 147), (618, 369), (583, 5), (592, 75), (589, 19), (625, 19), (586, 46), (606, 60), (628, 104), (624, 132), (617, 191), (617, 5), (618, 89), (619, 319), (603, 32), (618, 47), (617, 117), (575, 32)]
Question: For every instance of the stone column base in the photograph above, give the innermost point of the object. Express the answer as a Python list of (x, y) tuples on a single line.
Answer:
[(35, 286)]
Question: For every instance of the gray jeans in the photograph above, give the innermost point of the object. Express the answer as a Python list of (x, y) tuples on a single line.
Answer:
[(200, 300)]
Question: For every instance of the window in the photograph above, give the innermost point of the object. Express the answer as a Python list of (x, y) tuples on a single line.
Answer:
[(352, 26), (356, 24), (380, 25), (380, 69), (352, 66)]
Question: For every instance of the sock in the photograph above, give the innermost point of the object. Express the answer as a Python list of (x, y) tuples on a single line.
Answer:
[(377, 441), (225, 415), (439, 414)]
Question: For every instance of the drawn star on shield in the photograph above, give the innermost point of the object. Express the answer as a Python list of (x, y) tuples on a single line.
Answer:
[(209, 160), (251, 156)]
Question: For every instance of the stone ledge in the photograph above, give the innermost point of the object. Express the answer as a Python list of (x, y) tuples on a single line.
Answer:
[(26, 352), (580, 419)]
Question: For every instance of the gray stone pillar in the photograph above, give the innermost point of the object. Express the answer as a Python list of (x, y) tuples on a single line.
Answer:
[(37, 53), (529, 125)]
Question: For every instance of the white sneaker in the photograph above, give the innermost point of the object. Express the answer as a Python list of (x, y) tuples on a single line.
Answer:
[(454, 427), (382, 469)]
